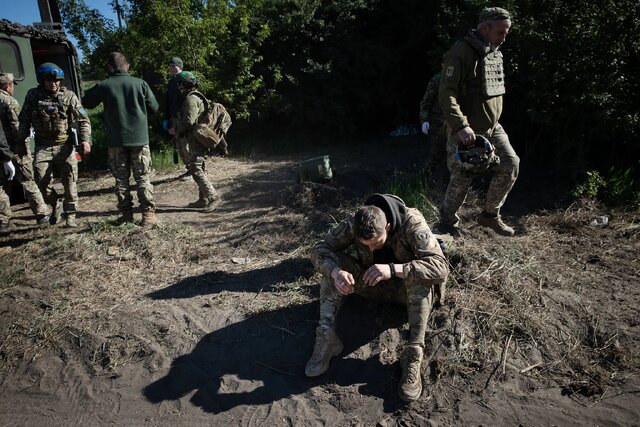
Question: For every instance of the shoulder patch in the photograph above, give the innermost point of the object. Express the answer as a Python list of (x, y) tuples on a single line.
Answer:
[(450, 70)]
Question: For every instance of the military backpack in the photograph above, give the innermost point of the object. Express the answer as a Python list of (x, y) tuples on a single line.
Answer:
[(212, 125)]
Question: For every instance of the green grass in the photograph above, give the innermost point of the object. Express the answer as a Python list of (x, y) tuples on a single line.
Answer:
[(416, 190)]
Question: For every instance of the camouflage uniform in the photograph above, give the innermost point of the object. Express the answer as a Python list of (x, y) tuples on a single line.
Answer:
[(24, 163), (52, 117), (412, 244), (124, 161), (465, 101), (5, 156), (431, 112), (191, 151)]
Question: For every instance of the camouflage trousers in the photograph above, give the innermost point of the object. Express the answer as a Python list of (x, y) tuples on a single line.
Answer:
[(59, 162), (416, 295), (193, 154), (504, 176), (437, 145), (123, 161), (24, 176), (5, 203)]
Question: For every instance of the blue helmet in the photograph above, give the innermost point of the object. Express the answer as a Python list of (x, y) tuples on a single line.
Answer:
[(49, 70)]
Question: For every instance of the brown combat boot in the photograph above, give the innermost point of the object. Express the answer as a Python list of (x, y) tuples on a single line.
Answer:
[(327, 345), (495, 223), (149, 219), (410, 386)]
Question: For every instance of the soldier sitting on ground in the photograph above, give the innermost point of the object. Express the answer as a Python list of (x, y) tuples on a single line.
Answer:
[(398, 260)]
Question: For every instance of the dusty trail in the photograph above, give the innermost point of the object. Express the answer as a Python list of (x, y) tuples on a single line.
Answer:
[(209, 319)]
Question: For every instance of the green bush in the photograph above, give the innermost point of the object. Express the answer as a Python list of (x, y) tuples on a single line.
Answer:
[(619, 188), (415, 190)]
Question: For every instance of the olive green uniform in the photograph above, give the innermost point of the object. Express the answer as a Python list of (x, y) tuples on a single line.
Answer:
[(52, 117), (412, 244), (471, 95), (191, 151), (9, 109)]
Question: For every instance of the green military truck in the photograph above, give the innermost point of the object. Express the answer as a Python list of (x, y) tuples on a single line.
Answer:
[(24, 47)]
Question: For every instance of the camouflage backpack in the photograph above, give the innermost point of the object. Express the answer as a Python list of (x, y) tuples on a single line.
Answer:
[(212, 125)]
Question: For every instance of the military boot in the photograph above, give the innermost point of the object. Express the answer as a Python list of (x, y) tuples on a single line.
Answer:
[(56, 212), (198, 204), (212, 205), (125, 216), (495, 223), (70, 221), (410, 386), (327, 345), (43, 219), (149, 219)]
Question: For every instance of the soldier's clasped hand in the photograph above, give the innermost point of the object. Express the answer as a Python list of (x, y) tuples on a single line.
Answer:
[(376, 274), (343, 281)]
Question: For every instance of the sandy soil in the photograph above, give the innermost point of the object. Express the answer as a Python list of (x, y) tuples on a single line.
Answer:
[(208, 319)]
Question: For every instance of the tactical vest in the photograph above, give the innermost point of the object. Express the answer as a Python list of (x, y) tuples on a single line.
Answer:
[(489, 80), (49, 119)]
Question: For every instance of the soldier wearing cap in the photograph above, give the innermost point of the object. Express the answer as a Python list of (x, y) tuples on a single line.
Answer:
[(53, 111), (22, 160), (470, 96)]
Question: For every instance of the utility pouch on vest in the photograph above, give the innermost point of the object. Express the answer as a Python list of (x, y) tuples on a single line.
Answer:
[(492, 74), (317, 169)]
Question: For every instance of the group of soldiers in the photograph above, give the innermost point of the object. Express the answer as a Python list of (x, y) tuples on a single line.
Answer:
[(397, 257), (62, 129)]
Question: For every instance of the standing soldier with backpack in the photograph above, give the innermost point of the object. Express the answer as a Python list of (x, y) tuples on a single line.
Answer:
[(53, 111), (191, 151), (127, 102)]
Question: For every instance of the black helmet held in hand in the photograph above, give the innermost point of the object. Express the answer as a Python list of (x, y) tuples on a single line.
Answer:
[(478, 157)]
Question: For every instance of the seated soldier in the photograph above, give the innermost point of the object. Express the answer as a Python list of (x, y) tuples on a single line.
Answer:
[(398, 259)]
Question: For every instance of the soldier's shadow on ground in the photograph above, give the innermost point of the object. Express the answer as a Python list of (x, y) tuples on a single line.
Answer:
[(260, 360), (260, 279)]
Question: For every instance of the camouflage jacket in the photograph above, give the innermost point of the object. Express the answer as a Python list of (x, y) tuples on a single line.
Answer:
[(430, 110), (461, 71), (9, 110), (52, 116), (192, 107), (412, 244)]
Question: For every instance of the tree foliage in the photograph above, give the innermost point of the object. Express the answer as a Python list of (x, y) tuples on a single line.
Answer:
[(359, 67)]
